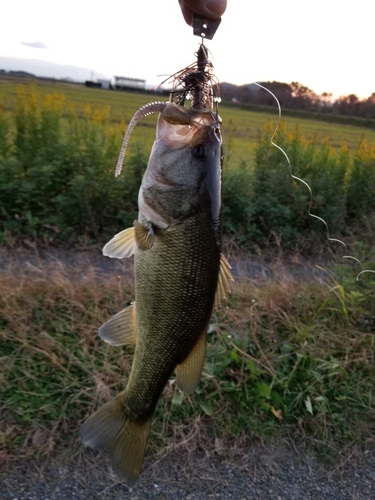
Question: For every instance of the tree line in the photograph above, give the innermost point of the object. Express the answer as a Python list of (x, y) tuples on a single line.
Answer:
[(298, 96)]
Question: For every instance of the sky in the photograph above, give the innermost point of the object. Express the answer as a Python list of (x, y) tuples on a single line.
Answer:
[(327, 45)]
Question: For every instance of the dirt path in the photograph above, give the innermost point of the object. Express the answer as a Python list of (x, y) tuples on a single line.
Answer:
[(243, 265)]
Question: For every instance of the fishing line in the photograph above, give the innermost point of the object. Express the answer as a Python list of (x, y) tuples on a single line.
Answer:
[(308, 187)]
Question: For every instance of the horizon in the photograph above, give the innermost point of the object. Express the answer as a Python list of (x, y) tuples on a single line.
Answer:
[(21, 65), (255, 42)]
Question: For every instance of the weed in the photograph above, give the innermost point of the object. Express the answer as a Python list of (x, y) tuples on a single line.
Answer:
[(282, 204), (287, 357), (57, 155), (60, 184), (361, 182)]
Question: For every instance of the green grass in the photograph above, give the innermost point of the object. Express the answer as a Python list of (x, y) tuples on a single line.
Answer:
[(285, 358)]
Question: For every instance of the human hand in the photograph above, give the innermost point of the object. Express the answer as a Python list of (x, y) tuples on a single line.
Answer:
[(212, 9)]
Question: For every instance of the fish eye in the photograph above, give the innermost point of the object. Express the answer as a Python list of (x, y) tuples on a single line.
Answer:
[(200, 152)]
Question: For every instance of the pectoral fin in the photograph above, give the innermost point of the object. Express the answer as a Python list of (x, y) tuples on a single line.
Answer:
[(120, 329), (189, 371), (144, 235), (223, 287), (122, 245)]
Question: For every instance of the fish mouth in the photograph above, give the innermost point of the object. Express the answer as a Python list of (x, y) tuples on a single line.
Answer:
[(178, 129), (181, 166)]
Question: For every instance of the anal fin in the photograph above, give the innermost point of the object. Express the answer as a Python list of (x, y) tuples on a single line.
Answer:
[(110, 430), (189, 371), (122, 245), (120, 329), (223, 287)]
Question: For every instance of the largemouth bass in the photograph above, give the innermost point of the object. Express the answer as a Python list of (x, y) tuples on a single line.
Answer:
[(180, 277)]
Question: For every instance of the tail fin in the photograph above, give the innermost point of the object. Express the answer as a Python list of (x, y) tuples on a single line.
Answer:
[(124, 440)]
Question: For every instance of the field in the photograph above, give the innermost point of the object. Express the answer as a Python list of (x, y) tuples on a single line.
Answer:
[(241, 128), (59, 144), (292, 354)]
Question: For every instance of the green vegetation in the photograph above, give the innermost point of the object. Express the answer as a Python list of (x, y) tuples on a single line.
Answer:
[(57, 176), (57, 159), (266, 202), (286, 358)]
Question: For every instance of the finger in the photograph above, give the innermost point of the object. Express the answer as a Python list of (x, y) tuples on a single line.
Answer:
[(186, 12), (212, 9)]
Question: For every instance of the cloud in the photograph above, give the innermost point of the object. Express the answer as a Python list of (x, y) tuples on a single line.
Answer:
[(35, 45)]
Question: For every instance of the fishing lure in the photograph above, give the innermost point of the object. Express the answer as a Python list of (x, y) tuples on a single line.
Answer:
[(196, 83)]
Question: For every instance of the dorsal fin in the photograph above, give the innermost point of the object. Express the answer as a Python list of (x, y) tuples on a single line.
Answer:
[(223, 287)]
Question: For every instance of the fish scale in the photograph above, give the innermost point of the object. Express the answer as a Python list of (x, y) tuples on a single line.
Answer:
[(180, 309)]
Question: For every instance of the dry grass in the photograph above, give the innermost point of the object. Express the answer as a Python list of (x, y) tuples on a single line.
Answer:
[(54, 369), (287, 357)]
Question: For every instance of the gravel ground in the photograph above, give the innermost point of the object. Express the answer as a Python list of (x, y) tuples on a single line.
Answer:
[(262, 474)]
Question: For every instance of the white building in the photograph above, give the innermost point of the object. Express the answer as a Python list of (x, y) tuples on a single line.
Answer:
[(124, 82)]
